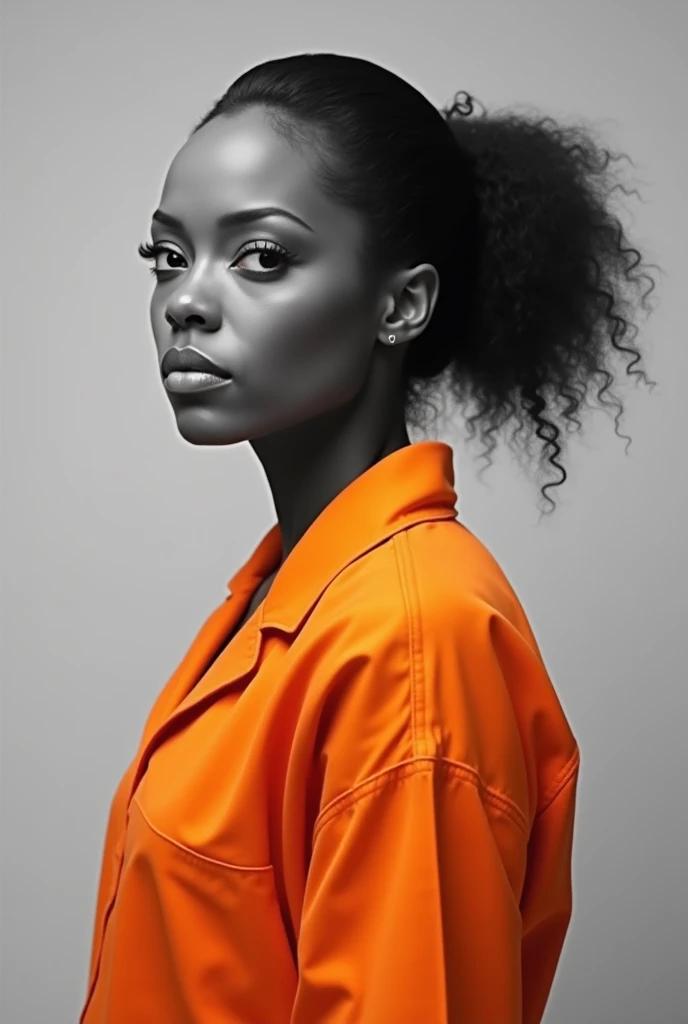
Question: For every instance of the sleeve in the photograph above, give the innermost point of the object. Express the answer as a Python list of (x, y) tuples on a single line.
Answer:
[(547, 898), (410, 911)]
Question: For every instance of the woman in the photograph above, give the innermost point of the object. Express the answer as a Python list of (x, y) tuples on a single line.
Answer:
[(354, 799)]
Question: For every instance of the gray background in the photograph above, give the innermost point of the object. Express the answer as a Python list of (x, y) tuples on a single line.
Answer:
[(101, 600)]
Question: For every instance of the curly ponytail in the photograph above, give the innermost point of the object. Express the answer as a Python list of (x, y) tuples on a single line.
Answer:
[(556, 276), (538, 281)]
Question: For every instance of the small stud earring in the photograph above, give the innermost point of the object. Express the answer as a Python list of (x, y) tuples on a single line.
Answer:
[(391, 339)]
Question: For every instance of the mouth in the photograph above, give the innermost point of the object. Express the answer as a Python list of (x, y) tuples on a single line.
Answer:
[(189, 359)]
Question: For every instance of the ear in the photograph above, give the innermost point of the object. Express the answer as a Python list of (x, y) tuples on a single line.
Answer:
[(412, 296)]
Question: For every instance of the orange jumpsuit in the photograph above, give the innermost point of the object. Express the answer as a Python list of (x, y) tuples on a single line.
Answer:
[(361, 809)]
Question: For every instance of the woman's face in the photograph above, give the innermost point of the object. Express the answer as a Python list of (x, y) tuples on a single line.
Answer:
[(295, 327)]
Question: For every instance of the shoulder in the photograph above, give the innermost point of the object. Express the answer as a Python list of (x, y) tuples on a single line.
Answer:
[(415, 632), (426, 652), (436, 576)]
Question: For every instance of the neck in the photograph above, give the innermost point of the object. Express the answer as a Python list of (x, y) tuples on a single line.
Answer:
[(306, 472)]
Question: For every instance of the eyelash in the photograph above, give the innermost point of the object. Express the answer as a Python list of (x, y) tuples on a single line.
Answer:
[(149, 251)]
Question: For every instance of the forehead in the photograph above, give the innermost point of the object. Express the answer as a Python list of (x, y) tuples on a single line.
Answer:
[(240, 161)]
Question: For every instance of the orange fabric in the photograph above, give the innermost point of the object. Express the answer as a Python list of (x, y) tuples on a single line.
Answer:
[(361, 812)]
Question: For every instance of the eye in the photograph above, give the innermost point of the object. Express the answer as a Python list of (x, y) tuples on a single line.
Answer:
[(266, 250), (151, 251)]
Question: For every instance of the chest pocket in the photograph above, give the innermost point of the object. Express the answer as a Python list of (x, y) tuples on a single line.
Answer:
[(192, 938)]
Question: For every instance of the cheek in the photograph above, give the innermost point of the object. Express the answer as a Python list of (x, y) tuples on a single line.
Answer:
[(326, 336)]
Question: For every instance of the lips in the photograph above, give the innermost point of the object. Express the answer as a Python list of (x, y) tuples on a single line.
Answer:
[(185, 359)]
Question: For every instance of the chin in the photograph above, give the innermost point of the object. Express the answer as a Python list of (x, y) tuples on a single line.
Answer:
[(198, 431)]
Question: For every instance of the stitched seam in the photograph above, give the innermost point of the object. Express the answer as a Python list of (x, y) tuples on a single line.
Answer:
[(376, 782), (420, 747), (560, 782), (415, 683), (194, 853)]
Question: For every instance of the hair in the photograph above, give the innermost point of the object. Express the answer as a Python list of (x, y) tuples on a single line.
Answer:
[(537, 277)]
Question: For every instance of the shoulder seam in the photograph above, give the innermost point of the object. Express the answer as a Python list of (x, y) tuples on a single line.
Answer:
[(339, 804)]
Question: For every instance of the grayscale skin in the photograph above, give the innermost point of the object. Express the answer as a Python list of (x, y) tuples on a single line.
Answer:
[(315, 385)]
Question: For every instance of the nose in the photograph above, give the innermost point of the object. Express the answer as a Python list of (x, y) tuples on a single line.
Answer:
[(186, 310)]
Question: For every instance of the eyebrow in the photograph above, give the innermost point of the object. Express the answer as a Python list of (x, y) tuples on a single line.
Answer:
[(228, 220)]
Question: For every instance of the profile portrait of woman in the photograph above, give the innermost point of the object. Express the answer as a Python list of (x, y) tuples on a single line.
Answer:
[(354, 800)]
